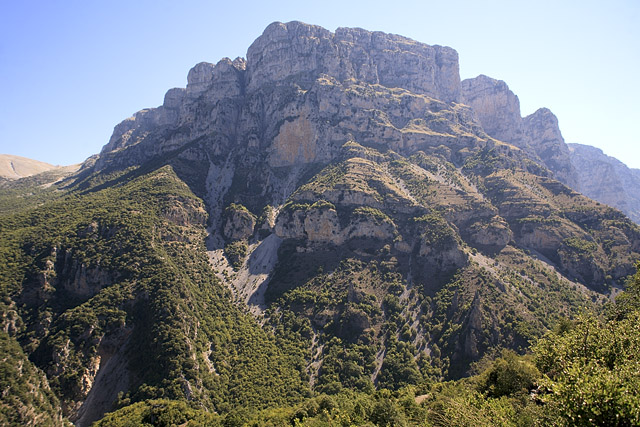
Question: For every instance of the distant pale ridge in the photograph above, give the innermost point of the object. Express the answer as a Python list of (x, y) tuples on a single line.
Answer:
[(16, 167)]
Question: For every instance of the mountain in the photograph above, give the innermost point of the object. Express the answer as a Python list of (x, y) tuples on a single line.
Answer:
[(16, 167), (607, 179), (581, 167), (336, 213), (538, 134)]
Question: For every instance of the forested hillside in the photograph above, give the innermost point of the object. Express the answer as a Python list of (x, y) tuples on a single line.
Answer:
[(334, 230)]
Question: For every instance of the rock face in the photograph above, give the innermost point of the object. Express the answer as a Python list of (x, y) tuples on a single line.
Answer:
[(607, 179), (543, 132), (239, 223), (538, 134), (304, 52), (494, 234), (297, 81), (581, 167), (497, 108), (320, 224)]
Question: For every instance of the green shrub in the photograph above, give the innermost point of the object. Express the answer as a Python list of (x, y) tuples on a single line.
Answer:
[(236, 252)]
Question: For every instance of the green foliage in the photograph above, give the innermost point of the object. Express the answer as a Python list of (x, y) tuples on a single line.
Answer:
[(347, 408), (327, 179), (346, 366), (267, 211), (160, 413), (16, 196), (368, 212), (294, 206), (319, 204), (592, 370), (26, 398), (484, 162), (629, 301), (581, 245), (399, 368), (508, 375), (236, 207), (456, 405), (322, 204), (391, 304), (435, 230), (236, 252), (126, 265)]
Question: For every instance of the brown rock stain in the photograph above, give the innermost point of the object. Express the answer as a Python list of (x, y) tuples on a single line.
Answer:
[(295, 144)]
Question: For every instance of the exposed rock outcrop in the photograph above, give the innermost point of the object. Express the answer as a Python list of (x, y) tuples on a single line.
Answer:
[(302, 93), (607, 179), (304, 52), (497, 108), (320, 224), (493, 235), (538, 134), (239, 223)]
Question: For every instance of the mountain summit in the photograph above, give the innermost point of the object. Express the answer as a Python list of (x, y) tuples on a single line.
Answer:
[(337, 211)]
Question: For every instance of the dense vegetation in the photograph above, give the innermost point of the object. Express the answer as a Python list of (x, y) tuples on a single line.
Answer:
[(421, 311), (26, 396), (584, 373), (121, 275)]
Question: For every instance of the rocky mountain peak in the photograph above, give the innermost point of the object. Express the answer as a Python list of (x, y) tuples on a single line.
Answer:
[(607, 179), (538, 134), (200, 77), (304, 91), (226, 74), (305, 51), (544, 136), (497, 108), (284, 100), (543, 124)]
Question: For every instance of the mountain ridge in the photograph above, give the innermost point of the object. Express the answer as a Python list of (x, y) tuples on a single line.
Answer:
[(273, 126), (607, 179), (312, 220), (16, 167)]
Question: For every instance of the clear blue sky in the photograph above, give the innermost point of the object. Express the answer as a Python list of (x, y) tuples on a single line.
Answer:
[(71, 70)]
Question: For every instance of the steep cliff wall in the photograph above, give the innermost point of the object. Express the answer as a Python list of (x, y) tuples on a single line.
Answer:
[(538, 134), (607, 179)]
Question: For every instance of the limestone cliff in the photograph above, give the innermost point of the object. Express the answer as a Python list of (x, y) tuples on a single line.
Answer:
[(543, 132), (607, 179), (304, 52), (302, 92), (538, 134), (497, 108), (364, 144)]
